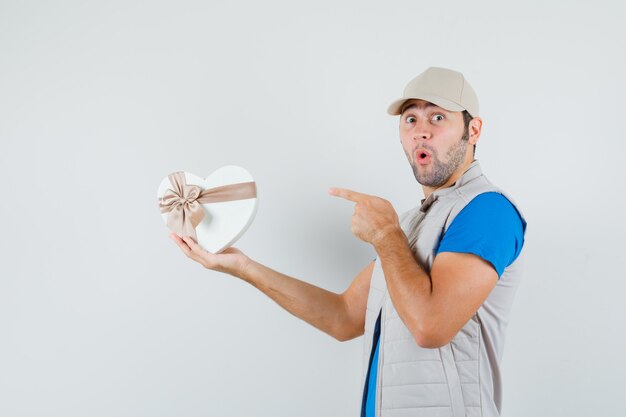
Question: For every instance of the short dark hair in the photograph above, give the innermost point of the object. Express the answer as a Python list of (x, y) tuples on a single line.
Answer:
[(467, 118)]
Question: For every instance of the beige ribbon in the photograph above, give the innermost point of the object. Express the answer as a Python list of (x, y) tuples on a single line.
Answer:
[(183, 202)]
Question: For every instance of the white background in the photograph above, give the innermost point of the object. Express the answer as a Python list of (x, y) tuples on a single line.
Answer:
[(102, 315)]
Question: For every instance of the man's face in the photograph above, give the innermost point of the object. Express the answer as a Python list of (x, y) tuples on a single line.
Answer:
[(433, 140)]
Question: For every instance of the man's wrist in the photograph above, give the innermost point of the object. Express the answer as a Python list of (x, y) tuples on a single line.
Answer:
[(389, 238), (245, 270)]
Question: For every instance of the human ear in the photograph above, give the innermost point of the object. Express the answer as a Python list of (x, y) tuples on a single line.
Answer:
[(475, 128)]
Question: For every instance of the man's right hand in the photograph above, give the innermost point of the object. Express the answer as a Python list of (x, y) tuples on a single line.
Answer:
[(231, 261)]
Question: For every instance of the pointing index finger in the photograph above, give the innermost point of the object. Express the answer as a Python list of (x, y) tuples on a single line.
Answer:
[(347, 194)]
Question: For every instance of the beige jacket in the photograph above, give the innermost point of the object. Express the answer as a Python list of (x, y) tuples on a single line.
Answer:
[(461, 378)]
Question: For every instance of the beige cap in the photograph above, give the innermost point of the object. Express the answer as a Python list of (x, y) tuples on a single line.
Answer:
[(441, 86)]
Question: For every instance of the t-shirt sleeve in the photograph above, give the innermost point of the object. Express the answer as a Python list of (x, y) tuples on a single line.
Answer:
[(489, 226)]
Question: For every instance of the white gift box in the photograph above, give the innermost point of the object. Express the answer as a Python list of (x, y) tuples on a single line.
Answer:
[(224, 222)]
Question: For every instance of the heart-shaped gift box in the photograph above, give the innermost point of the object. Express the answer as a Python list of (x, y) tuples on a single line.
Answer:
[(215, 211)]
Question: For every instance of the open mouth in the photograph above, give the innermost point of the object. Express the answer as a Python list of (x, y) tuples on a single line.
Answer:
[(422, 156)]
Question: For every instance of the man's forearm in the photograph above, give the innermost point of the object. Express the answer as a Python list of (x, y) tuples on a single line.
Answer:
[(409, 286), (322, 309)]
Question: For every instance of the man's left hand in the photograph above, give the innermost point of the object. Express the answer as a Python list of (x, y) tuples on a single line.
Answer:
[(373, 217)]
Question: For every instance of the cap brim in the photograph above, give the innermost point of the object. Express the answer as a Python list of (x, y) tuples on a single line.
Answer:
[(396, 106)]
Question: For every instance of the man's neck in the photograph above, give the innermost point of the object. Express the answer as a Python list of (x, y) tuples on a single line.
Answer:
[(451, 181)]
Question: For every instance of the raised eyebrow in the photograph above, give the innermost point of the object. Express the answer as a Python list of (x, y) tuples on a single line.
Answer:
[(427, 107), (404, 110), (437, 109)]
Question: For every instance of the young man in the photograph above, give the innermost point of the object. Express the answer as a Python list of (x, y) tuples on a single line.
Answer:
[(434, 304)]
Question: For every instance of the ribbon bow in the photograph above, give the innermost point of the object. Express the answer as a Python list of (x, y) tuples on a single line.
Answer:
[(183, 202)]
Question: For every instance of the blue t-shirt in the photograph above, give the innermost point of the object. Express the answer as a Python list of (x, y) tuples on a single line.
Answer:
[(489, 227)]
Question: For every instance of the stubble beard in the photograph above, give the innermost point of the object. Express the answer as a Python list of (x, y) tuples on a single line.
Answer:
[(440, 172)]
